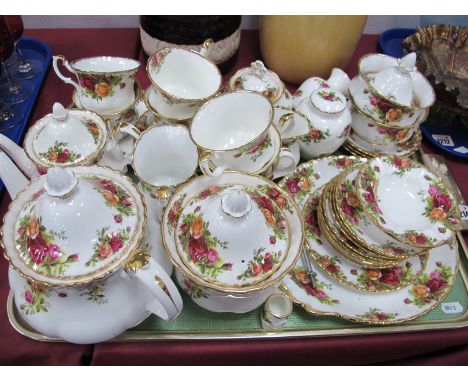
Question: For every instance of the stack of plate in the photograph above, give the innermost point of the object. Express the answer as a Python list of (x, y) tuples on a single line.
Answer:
[(381, 237)]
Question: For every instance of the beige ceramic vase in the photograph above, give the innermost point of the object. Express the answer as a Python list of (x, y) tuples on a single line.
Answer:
[(299, 47)]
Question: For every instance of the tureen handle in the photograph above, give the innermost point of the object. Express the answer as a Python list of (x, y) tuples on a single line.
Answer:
[(206, 47), (167, 302), (67, 80)]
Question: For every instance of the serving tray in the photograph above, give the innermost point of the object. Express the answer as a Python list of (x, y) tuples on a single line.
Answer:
[(31, 48), (196, 323)]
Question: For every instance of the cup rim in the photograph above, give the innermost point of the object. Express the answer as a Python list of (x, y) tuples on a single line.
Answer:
[(132, 157), (170, 95), (72, 64), (244, 145), (268, 307)]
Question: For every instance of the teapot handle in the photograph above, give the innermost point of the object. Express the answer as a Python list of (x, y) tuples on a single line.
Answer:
[(67, 80), (167, 302)]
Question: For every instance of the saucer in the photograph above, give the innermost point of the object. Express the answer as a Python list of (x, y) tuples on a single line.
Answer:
[(300, 128), (259, 161), (158, 113)]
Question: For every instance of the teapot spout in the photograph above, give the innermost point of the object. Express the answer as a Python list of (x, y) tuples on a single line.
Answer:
[(339, 80), (19, 157), (14, 180)]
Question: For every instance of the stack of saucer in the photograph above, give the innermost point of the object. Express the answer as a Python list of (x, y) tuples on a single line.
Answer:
[(387, 210), (390, 99)]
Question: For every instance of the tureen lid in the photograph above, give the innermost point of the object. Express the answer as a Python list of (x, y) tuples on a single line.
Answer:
[(259, 79), (232, 235), (72, 227), (66, 138), (397, 80)]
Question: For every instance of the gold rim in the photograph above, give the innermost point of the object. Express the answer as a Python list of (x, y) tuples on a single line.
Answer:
[(101, 73), (373, 90), (113, 265), (90, 159), (271, 282), (157, 113), (268, 308), (273, 74), (399, 237), (170, 95), (384, 143), (245, 145)]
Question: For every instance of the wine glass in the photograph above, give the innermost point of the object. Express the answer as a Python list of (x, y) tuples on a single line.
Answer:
[(13, 91), (8, 117), (28, 67)]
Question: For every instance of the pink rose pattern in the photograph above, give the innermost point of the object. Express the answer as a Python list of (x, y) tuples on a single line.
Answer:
[(262, 263), (301, 278), (59, 153), (377, 315), (108, 244), (99, 86), (38, 245), (35, 299)]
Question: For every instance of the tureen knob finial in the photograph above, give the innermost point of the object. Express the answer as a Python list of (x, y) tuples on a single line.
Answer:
[(59, 113), (236, 203), (408, 63), (258, 68), (60, 181)]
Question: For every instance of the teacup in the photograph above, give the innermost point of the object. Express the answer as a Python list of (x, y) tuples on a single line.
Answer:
[(182, 80), (105, 84), (163, 158)]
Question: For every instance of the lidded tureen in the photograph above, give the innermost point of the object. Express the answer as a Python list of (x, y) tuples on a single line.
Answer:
[(65, 137), (232, 239), (70, 231), (261, 80)]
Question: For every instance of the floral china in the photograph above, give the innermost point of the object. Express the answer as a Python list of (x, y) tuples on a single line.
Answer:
[(262, 80), (326, 296), (105, 84), (69, 230), (349, 212), (249, 263), (182, 80), (347, 272), (375, 134), (359, 146), (397, 80), (407, 201), (330, 118), (291, 124), (338, 80), (380, 109), (170, 147), (62, 138)]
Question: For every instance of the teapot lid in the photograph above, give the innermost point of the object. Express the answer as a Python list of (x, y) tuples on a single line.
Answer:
[(259, 79), (73, 227), (397, 80), (66, 138), (233, 235), (328, 100)]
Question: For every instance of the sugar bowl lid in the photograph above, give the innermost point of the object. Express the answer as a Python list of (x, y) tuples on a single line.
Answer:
[(66, 138), (259, 79), (73, 227), (397, 80)]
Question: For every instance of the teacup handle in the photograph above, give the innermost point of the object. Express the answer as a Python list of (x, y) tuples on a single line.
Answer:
[(67, 80), (167, 302), (286, 163), (206, 47), (205, 166), (127, 128), (285, 118), (162, 197)]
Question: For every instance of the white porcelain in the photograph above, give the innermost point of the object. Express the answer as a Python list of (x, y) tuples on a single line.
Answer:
[(292, 124), (163, 157), (408, 202), (207, 251), (105, 84), (67, 231), (368, 130), (182, 80), (330, 117), (351, 213), (381, 110), (338, 80), (65, 138), (259, 79), (276, 310), (397, 80)]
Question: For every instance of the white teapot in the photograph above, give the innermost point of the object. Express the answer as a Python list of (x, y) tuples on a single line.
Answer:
[(77, 270)]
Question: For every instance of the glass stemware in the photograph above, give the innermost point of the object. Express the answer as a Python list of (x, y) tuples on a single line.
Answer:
[(13, 91), (28, 67)]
